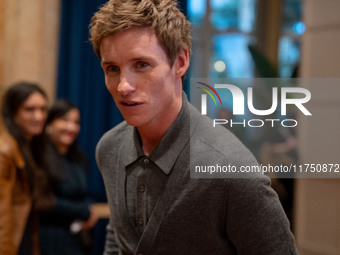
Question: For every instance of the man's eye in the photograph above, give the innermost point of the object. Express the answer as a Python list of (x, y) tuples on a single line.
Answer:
[(141, 65), (112, 69)]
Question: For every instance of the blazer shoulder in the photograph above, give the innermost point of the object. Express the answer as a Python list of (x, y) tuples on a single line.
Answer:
[(109, 143), (114, 135), (9, 149), (220, 142), (8, 144)]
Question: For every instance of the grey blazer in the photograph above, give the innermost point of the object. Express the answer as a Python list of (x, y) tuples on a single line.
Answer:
[(195, 216)]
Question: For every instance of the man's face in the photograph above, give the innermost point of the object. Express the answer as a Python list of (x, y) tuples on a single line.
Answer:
[(145, 88)]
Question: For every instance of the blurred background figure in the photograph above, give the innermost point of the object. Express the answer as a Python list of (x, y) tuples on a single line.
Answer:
[(24, 187), (63, 229)]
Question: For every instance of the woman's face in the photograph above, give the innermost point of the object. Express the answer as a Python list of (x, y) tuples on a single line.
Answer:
[(31, 115), (64, 130)]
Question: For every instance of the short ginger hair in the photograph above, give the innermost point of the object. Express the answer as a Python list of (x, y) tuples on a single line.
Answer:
[(171, 27)]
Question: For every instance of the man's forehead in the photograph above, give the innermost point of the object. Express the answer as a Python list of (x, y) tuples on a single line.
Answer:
[(134, 42), (144, 33)]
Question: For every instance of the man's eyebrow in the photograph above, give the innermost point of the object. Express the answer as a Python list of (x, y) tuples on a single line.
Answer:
[(141, 58), (107, 63)]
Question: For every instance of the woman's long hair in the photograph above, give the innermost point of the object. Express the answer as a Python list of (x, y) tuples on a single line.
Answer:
[(32, 151), (74, 154)]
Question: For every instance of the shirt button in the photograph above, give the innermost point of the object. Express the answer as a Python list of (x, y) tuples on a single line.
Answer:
[(141, 188), (146, 161), (140, 221)]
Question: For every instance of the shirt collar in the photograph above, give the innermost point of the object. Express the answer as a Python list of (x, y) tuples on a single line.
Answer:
[(170, 146)]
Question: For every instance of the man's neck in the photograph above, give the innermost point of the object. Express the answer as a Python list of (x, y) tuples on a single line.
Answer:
[(150, 143), (152, 134)]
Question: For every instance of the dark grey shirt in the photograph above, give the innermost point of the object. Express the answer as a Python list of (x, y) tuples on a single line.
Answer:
[(147, 175)]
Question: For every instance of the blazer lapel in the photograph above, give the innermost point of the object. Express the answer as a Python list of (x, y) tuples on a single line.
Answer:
[(177, 179), (127, 155)]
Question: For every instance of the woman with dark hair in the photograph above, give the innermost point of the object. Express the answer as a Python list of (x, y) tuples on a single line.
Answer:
[(61, 227), (24, 186)]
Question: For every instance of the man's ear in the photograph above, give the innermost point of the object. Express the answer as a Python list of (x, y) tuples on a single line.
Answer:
[(182, 63)]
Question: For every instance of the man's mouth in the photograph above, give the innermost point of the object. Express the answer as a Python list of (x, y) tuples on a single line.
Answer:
[(130, 103)]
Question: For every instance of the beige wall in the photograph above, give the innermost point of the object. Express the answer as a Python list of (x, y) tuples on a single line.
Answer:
[(29, 38), (2, 32), (317, 205)]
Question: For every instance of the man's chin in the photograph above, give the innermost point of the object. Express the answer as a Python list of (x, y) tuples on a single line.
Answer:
[(133, 122)]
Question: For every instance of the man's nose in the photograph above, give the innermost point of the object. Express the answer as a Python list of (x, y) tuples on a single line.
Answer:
[(126, 85)]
